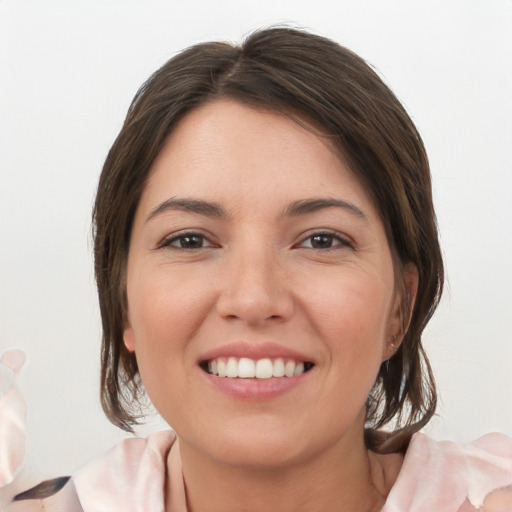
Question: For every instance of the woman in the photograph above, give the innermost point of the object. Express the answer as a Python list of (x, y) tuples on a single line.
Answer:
[(267, 258)]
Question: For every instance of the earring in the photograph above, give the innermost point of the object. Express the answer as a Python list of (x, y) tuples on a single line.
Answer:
[(392, 343)]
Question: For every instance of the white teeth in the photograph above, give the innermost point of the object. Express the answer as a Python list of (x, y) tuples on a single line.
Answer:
[(221, 367), (245, 368), (289, 368), (232, 368), (278, 370), (298, 369), (264, 369)]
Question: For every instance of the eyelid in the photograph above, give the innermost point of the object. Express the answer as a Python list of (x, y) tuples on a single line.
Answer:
[(168, 240), (345, 240)]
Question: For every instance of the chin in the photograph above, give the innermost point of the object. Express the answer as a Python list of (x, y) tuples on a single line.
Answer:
[(261, 453), (262, 443)]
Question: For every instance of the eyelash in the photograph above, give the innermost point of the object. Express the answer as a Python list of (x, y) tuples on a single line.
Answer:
[(342, 241), (168, 242)]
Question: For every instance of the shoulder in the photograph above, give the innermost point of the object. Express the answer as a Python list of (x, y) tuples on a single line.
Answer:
[(448, 477), (130, 476)]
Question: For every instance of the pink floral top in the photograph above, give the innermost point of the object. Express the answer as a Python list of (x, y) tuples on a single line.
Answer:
[(435, 477)]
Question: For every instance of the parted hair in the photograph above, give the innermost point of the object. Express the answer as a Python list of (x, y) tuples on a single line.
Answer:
[(319, 83)]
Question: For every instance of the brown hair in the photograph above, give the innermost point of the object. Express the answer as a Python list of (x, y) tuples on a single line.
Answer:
[(313, 80)]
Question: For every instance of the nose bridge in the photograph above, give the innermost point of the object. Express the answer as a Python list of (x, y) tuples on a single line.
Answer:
[(254, 287)]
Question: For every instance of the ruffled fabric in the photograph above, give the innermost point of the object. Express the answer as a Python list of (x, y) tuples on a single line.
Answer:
[(454, 477), (131, 476)]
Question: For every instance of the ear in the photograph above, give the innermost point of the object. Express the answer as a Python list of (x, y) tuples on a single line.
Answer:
[(401, 314), (128, 337)]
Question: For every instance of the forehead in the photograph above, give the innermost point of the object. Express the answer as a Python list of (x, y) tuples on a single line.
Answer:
[(225, 150)]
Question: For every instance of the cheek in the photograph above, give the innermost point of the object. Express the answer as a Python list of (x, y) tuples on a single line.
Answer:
[(348, 308), (351, 316), (165, 306), (165, 311)]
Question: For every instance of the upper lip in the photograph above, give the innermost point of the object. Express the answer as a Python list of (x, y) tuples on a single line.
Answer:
[(255, 351)]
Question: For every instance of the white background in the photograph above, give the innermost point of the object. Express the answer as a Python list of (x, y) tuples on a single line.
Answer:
[(68, 71)]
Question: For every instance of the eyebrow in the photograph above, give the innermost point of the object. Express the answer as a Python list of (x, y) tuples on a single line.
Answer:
[(188, 205), (210, 209), (305, 206)]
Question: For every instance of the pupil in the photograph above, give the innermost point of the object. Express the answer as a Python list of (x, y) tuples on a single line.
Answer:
[(191, 242), (321, 241)]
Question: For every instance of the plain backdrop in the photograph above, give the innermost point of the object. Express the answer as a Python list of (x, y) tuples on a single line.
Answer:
[(68, 71)]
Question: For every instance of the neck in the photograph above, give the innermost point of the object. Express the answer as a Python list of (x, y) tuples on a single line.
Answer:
[(342, 479)]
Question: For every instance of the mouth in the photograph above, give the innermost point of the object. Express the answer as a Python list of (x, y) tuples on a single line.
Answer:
[(246, 368)]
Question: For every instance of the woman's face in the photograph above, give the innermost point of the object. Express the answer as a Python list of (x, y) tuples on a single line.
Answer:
[(255, 251)]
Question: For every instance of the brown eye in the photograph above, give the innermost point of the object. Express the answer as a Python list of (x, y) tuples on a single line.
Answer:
[(190, 241), (325, 241), (322, 241), (187, 241)]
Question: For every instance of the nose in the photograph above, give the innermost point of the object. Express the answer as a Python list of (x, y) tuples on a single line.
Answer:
[(254, 288)]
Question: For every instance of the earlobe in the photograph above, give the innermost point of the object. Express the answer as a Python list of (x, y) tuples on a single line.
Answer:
[(128, 338), (402, 310)]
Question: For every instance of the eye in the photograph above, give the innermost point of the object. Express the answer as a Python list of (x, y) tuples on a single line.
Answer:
[(325, 241), (186, 241)]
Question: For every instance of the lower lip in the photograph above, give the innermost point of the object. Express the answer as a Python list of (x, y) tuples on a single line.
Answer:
[(255, 390)]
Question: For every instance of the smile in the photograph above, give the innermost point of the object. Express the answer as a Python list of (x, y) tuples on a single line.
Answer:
[(246, 368)]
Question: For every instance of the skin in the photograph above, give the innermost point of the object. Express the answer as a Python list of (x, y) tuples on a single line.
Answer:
[(257, 274)]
